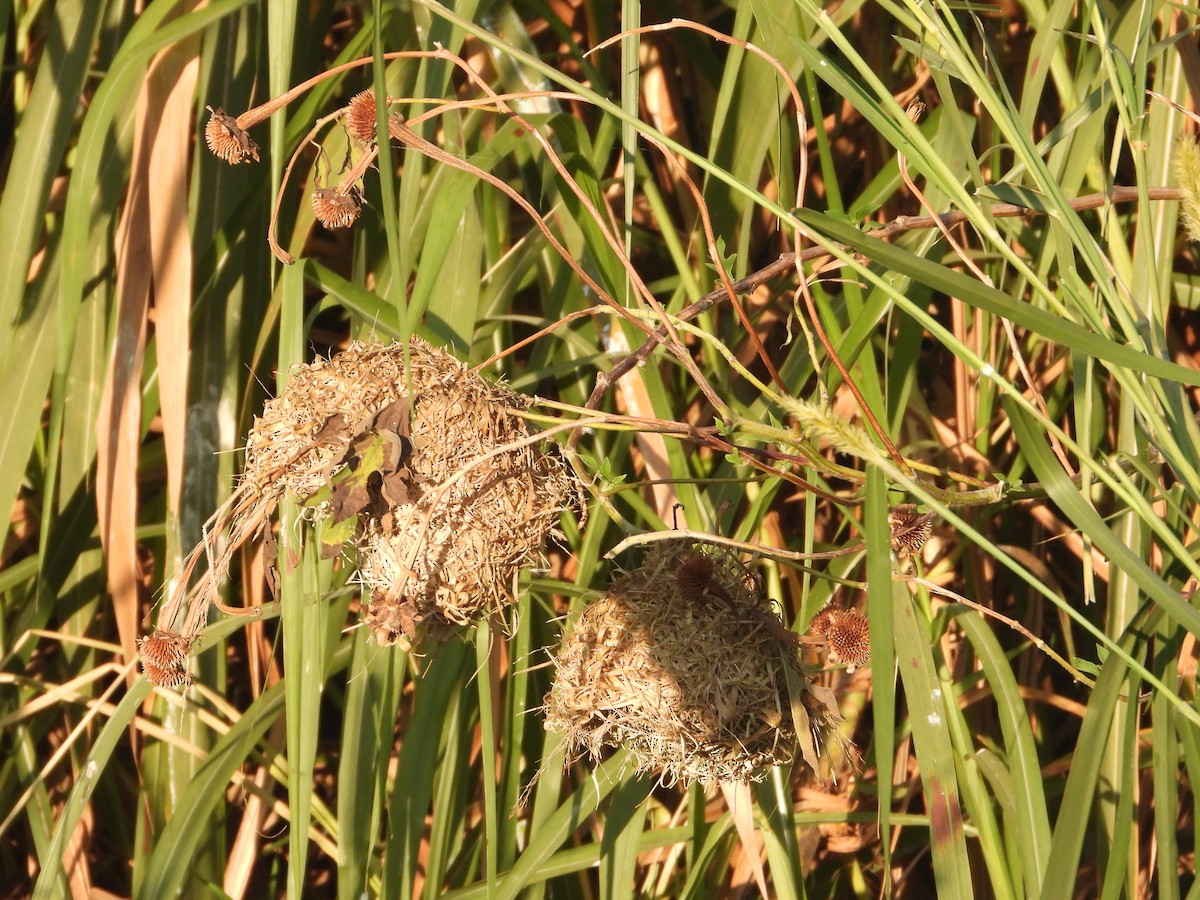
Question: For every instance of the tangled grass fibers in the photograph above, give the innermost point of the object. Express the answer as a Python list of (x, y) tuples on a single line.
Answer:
[(447, 525), (485, 494), (683, 662), (430, 473)]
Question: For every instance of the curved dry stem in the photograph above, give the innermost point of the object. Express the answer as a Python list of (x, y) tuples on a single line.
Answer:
[(610, 238), (280, 254), (1016, 626), (256, 114), (714, 254), (788, 557)]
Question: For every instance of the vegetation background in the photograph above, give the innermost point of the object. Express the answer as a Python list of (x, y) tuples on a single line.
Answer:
[(1036, 374)]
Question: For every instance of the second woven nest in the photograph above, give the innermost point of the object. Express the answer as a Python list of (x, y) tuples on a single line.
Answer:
[(683, 662)]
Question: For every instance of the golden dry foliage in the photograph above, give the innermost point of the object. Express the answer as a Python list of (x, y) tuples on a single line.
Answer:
[(684, 663)]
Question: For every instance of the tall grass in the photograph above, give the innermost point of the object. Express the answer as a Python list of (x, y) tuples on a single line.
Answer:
[(818, 346)]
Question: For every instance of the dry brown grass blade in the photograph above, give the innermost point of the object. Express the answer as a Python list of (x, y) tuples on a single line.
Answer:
[(247, 845), (118, 427), (76, 857), (741, 809), (170, 89), (652, 444)]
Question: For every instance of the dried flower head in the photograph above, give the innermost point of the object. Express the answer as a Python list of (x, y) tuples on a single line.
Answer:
[(335, 209), (909, 531), (227, 140), (164, 656), (694, 575), (359, 117), (166, 678), (849, 637)]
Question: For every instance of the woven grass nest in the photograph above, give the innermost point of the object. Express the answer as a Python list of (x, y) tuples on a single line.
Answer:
[(431, 475), (683, 662), (468, 498)]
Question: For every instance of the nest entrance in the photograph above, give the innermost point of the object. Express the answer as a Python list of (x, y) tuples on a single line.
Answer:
[(684, 662)]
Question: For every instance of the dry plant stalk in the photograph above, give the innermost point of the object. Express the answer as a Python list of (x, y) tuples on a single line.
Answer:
[(432, 472), (682, 661)]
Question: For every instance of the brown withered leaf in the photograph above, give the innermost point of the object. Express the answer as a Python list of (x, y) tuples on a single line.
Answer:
[(396, 451), (394, 489), (393, 417), (349, 498), (334, 430), (271, 560)]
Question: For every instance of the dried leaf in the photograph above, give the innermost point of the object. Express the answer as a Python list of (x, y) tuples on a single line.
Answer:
[(333, 431), (270, 552), (394, 418), (394, 489)]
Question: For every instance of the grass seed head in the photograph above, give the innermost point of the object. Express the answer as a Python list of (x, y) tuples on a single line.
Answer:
[(909, 531), (1187, 176)]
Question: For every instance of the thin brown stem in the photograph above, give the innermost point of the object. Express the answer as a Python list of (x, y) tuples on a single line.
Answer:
[(900, 225)]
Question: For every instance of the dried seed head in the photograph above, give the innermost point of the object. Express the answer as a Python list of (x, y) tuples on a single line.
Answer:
[(335, 209), (909, 530), (694, 575), (166, 678), (165, 657), (849, 637), (359, 117), (227, 140), (391, 621)]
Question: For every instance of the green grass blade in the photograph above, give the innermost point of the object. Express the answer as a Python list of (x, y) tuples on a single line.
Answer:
[(416, 768), (1074, 815), (881, 611), (931, 738), (98, 758), (558, 827), (169, 866), (620, 842), (977, 294), (1032, 826)]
